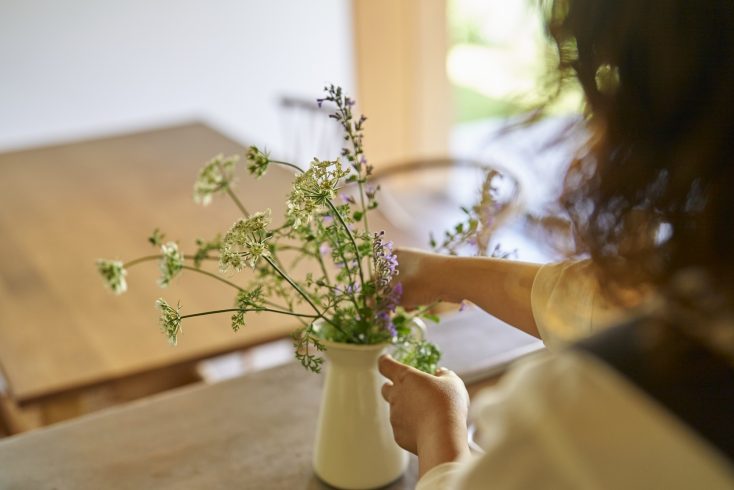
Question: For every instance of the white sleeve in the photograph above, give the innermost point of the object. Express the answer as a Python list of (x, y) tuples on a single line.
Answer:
[(566, 303), (569, 421), (515, 457), (441, 477)]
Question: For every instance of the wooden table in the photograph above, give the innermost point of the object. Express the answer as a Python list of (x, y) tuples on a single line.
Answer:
[(253, 432), (67, 344)]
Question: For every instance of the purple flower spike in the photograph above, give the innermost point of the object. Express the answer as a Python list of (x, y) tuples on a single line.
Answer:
[(391, 328)]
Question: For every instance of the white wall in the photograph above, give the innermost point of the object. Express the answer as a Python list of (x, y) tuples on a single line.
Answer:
[(71, 69)]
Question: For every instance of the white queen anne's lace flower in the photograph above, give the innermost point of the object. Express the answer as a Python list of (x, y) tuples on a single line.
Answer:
[(245, 243), (313, 188), (170, 320), (171, 263), (257, 161), (114, 274), (216, 176)]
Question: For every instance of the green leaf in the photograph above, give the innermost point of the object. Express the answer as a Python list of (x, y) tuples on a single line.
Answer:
[(156, 238), (431, 317)]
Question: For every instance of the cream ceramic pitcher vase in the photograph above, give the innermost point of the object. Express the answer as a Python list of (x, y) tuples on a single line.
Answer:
[(354, 447)]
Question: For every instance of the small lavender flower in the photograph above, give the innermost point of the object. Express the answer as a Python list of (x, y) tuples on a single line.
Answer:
[(352, 288), (386, 270), (385, 261), (390, 301), (170, 320), (371, 190), (257, 161), (171, 263), (216, 176), (384, 319), (325, 249), (245, 242), (386, 306), (114, 274)]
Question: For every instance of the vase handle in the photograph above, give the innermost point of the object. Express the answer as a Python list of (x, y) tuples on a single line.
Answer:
[(420, 329)]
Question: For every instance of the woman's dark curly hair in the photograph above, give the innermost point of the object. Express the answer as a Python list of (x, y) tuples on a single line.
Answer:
[(653, 194)]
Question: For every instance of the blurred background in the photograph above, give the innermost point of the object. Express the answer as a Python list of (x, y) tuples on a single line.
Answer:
[(437, 79), (441, 81), (432, 76)]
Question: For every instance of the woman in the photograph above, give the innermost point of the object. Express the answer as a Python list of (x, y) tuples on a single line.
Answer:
[(647, 403)]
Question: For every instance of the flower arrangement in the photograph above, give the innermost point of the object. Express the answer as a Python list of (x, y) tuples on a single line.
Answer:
[(353, 298)]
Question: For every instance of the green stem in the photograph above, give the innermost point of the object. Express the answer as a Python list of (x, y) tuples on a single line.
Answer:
[(237, 202), (364, 218), (287, 164), (294, 285), (229, 283), (213, 276), (139, 260), (148, 258), (323, 267), (419, 311), (304, 295), (200, 271), (293, 247), (245, 310), (351, 237), (340, 250)]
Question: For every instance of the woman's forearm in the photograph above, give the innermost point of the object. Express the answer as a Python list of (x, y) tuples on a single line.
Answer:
[(500, 287)]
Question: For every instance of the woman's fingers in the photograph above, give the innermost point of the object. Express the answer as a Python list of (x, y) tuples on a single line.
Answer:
[(389, 367), (386, 391)]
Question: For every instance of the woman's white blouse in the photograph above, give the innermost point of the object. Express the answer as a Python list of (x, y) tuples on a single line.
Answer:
[(567, 421), (566, 303)]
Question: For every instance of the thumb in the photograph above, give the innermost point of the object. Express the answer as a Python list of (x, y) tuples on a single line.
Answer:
[(389, 367), (442, 371)]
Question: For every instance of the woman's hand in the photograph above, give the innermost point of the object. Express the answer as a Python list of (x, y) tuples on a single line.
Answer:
[(428, 413), (420, 275)]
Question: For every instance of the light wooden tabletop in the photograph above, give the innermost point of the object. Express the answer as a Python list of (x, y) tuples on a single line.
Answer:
[(62, 207), (252, 432)]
